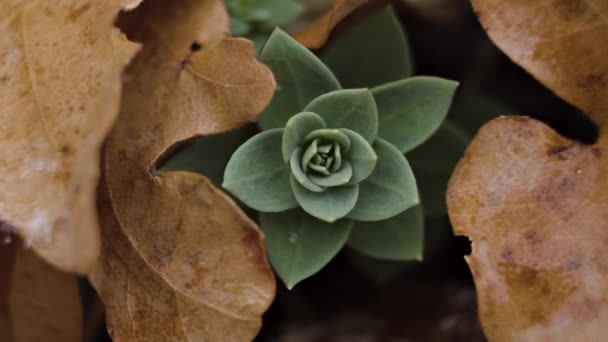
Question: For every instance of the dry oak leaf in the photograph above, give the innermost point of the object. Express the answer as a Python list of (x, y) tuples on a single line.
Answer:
[(534, 203), (60, 78), (315, 35), (37, 302), (180, 261)]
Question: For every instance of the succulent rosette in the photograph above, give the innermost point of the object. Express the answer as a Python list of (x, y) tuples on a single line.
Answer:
[(323, 161), (328, 167)]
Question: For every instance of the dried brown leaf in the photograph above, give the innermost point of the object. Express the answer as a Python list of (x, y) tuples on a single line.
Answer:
[(60, 67), (560, 42), (37, 302), (180, 261), (315, 35), (535, 204)]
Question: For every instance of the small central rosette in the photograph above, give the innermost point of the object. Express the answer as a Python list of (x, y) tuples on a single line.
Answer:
[(327, 160), (318, 164)]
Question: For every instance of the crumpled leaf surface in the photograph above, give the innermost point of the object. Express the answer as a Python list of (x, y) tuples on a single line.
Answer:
[(535, 204), (60, 68), (37, 302), (316, 34), (180, 261)]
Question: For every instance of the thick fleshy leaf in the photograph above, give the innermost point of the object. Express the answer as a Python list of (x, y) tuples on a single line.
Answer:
[(339, 177), (299, 175), (389, 190), (411, 110), (433, 172), (257, 175), (297, 128), (330, 205), (354, 109), (209, 155), (299, 245), (361, 156), (400, 237), (331, 135), (300, 78), (359, 58)]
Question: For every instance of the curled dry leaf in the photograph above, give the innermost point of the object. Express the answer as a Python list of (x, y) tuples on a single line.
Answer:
[(60, 68), (37, 302), (535, 204), (315, 35), (180, 261)]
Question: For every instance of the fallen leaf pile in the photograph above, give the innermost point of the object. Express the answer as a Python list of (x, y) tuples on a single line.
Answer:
[(178, 260), (534, 203)]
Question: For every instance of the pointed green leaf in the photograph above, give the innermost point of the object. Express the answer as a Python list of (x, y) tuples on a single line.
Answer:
[(361, 156), (340, 177), (257, 175), (296, 130), (330, 205), (299, 245), (398, 238), (432, 173), (389, 190), (300, 78), (411, 110), (354, 109), (209, 155), (371, 53)]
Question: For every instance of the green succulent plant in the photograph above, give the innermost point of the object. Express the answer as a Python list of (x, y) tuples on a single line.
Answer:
[(328, 168), (329, 152)]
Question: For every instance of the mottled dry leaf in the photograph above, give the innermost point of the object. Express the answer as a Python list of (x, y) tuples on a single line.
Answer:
[(315, 35), (37, 302), (60, 67), (560, 42), (535, 204), (180, 261)]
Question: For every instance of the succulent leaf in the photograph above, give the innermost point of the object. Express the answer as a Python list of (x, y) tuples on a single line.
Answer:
[(354, 109), (330, 135), (400, 237), (296, 129), (361, 156), (257, 175), (300, 78), (299, 174), (337, 178), (389, 190), (360, 59), (299, 245), (411, 110), (331, 205)]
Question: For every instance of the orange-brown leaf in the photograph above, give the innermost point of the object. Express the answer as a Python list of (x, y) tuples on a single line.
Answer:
[(60, 68), (560, 42), (535, 204), (37, 302), (194, 264), (315, 35)]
